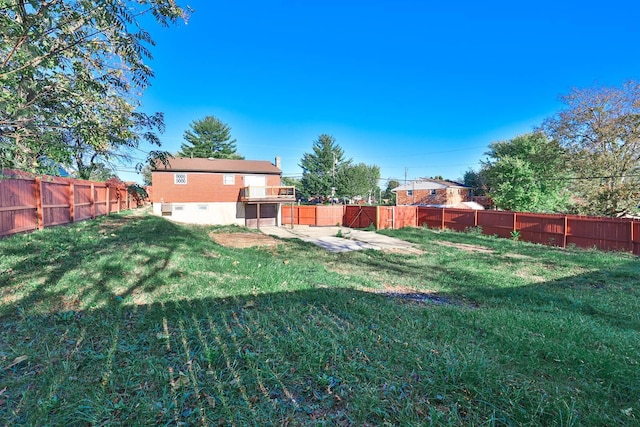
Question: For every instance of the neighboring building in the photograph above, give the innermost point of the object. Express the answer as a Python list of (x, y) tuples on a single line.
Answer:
[(220, 191), (436, 193)]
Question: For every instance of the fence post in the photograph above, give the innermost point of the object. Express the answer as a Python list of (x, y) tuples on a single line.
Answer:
[(631, 234), (92, 201), (515, 219), (72, 202), (108, 201), (564, 233), (39, 213), (442, 223), (475, 218), (377, 217), (118, 198)]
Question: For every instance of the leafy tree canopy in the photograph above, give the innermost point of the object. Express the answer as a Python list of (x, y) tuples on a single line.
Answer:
[(209, 138), (389, 195), (360, 180), (600, 130), (527, 174), (71, 72), (475, 180)]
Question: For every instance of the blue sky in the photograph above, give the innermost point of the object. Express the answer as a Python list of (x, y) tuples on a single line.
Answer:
[(416, 87)]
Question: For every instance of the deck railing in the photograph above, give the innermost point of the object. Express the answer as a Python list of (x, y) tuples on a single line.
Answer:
[(279, 193)]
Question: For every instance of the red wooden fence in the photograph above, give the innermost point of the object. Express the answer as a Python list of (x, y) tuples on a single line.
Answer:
[(611, 234), (29, 203)]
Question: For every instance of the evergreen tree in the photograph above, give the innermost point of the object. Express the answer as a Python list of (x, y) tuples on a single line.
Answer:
[(209, 138), (322, 169)]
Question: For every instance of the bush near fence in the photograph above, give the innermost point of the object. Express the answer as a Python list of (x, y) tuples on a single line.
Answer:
[(29, 202), (609, 234)]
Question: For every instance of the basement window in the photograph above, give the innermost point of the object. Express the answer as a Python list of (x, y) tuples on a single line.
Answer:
[(180, 178), (229, 180), (409, 192)]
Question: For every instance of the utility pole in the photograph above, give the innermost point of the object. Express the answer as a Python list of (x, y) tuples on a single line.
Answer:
[(333, 177), (406, 170)]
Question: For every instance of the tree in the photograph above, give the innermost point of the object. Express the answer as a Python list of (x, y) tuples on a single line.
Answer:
[(100, 172), (475, 180), (146, 175), (61, 60), (600, 130), (388, 195), (209, 138), (527, 174), (322, 169), (360, 180)]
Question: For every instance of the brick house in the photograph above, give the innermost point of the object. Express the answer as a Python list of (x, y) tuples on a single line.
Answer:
[(434, 192), (220, 191)]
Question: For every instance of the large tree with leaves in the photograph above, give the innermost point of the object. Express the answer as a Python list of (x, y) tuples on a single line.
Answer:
[(600, 130), (360, 180), (322, 169), (61, 62), (388, 195), (209, 138), (527, 173)]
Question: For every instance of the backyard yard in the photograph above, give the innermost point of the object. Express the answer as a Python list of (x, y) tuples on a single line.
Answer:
[(134, 320)]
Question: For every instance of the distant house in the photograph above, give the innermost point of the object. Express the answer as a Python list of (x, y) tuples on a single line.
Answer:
[(436, 193), (220, 191)]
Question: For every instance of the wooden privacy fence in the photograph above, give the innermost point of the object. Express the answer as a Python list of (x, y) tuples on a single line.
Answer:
[(610, 234), (30, 203)]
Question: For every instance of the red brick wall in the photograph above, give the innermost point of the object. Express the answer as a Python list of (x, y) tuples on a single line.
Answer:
[(449, 196), (200, 187)]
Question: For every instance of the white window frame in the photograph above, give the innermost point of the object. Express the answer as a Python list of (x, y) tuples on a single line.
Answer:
[(434, 192), (228, 177), (409, 192), (178, 178)]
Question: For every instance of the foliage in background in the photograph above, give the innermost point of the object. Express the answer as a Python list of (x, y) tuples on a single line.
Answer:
[(138, 193), (389, 196), (600, 130), (323, 168), (360, 180), (527, 173), (477, 181), (147, 175), (209, 138), (71, 73)]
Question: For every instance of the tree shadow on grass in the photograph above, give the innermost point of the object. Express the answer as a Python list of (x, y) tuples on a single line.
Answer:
[(323, 355), (302, 358), (89, 261)]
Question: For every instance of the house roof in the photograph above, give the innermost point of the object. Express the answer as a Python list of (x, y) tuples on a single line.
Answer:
[(429, 184), (180, 164)]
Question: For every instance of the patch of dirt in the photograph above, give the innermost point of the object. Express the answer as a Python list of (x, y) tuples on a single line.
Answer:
[(465, 247), (409, 295), (244, 240), (477, 249)]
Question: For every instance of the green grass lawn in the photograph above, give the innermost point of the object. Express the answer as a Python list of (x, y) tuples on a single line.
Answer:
[(133, 320)]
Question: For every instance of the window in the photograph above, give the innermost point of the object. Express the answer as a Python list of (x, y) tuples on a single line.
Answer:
[(180, 178), (433, 192), (229, 180), (409, 192), (178, 207)]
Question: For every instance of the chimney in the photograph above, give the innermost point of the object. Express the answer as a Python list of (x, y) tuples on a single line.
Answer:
[(278, 163)]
